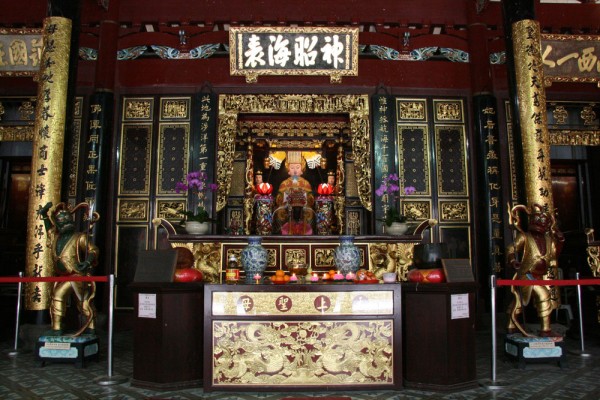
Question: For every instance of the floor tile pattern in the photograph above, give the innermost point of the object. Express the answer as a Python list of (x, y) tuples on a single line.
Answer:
[(22, 378)]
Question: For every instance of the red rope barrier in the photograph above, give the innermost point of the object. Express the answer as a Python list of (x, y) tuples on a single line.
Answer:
[(73, 278), (549, 282)]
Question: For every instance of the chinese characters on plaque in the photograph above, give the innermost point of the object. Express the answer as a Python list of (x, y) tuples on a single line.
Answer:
[(571, 58), (20, 52), (293, 51)]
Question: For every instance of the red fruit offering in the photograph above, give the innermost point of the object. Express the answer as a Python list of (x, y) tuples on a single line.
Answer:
[(188, 275), (435, 275)]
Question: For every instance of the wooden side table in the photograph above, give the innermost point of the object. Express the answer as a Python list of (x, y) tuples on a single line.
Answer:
[(168, 335)]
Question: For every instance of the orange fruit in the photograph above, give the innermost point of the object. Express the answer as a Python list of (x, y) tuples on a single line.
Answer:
[(332, 272), (279, 272), (286, 278)]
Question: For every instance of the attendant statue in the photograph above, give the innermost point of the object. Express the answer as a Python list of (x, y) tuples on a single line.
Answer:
[(73, 255), (295, 200), (534, 256)]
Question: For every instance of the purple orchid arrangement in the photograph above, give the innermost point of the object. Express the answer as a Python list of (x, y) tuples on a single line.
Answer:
[(196, 181), (389, 191)]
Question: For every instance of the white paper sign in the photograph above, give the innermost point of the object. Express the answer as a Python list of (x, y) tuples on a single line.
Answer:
[(460, 306), (147, 305)]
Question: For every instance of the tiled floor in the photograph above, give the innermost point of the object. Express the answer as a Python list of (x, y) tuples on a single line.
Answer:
[(22, 378)]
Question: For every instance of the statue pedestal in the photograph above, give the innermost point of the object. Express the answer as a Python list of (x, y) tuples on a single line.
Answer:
[(534, 349), (63, 349)]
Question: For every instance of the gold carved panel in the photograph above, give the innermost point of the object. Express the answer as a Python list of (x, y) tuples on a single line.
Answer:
[(138, 109), (171, 210), (411, 110), (319, 353), (175, 108), (454, 211), (417, 210), (391, 257), (324, 257), (448, 111), (132, 210)]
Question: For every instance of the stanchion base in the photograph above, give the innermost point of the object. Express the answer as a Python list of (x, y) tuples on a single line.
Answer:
[(493, 385), (110, 380), (580, 353), (15, 353)]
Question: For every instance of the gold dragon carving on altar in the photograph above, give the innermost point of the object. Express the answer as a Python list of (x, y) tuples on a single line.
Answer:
[(290, 353)]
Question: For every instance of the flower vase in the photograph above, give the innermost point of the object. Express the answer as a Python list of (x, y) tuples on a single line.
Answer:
[(264, 215), (397, 228), (324, 207), (197, 228), (347, 255), (254, 258)]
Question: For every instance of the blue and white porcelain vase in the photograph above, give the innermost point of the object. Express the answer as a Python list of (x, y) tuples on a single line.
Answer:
[(347, 255), (254, 258)]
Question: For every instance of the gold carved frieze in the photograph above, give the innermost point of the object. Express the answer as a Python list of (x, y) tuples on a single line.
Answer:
[(417, 210), (288, 129), (454, 211), (171, 210), (575, 137), (448, 111), (413, 110), (137, 109), (175, 108), (295, 144), (132, 210), (356, 106), (315, 353), (207, 258), (391, 257), (242, 303), (16, 133), (294, 256), (324, 257)]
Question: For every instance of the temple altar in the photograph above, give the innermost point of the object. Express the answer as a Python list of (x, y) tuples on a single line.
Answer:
[(297, 337), (379, 253)]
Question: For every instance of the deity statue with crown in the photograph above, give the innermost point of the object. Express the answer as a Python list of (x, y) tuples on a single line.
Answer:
[(294, 213)]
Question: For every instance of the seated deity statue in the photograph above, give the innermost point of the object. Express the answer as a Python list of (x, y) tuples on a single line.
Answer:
[(294, 214)]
